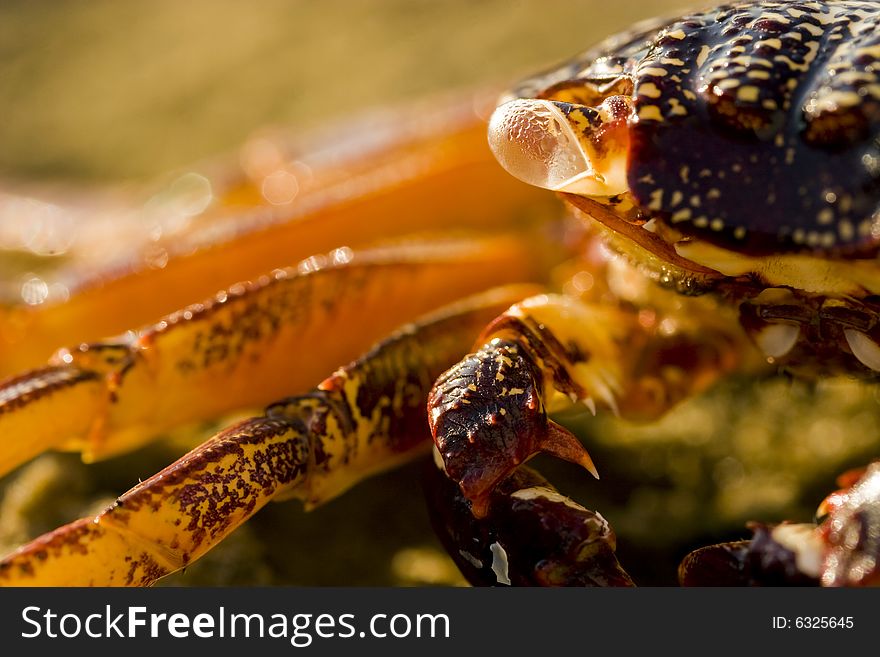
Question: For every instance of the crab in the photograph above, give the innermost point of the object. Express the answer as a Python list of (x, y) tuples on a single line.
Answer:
[(721, 174)]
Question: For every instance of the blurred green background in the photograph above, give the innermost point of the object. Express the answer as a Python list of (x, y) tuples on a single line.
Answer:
[(110, 90)]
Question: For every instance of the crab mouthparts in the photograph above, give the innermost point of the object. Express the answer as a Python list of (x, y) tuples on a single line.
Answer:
[(563, 147)]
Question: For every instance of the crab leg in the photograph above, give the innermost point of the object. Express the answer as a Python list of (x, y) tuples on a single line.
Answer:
[(246, 345), (368, 181), (364, 418), (489, 413)]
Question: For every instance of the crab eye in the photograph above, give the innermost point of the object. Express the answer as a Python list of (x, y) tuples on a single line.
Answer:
[(561, 147), (533, 141)]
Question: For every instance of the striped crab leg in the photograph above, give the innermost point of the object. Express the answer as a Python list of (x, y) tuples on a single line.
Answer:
[(364, 418), (367, 181), (249, 344)]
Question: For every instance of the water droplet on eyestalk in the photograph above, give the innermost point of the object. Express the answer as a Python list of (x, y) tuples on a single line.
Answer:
[(562, 147)]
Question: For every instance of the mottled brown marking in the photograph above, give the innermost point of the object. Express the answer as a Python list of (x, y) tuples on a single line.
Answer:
[(208, 495), (543, 346), (19, 391)]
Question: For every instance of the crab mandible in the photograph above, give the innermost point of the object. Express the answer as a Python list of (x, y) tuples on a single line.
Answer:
[(731, 156)]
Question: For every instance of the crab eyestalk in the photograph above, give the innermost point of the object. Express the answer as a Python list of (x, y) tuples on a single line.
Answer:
[(564, 147)]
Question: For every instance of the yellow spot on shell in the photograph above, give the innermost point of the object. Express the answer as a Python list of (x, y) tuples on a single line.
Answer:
[(650, 113), (853, 76), (650, 90), (836, 99), (676, 108), (871, 51), (656, 200), (747, 60), (681, 215), (701, 57), (748, 93), (776, 44), (773, 16)]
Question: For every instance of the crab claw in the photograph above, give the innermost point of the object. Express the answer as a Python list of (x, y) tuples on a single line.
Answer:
[(487, 417), (564, 147), (722, 564), (532, 535), (852, 533), (840, 498), (782, 555), (844, 550)]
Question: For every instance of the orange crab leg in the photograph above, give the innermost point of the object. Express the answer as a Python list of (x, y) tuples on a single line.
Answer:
[(379, 192), (364, 418), (247, 345)]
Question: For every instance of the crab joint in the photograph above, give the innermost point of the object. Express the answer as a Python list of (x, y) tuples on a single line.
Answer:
[(564, 147)]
